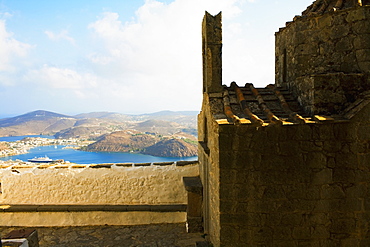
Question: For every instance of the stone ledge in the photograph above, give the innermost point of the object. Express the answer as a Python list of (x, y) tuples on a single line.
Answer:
[(97, 166), (186, 163), (193, 184), (87, 208)]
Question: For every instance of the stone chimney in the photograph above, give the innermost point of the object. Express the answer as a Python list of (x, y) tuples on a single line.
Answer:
[(212, 53)]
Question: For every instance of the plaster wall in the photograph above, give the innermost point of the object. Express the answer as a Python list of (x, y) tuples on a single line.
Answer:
[(116, 185)]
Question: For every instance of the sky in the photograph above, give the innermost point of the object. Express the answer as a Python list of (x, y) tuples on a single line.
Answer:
[(129, 56)]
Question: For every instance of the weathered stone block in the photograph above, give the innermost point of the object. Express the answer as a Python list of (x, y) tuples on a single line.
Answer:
[(332, 191), (348, 205), (282, 233), (246, 160), (300, 132), (288, 148), (284, 243), (364, 66), (343, 226), (230, 234), (226, 159), (361, 27), (362, 176), (311, 146), (339, 31), (344, 44), (274, 192), (339, 18), (363, 55), (272, 219), (363, 161), (356, 15), (349, 63), (319, 218), (262, 235), (346, 160), (358, 190), (344, 132), (332, 146), (362, 41), (325, 176), (301, 232), (325, 21), (292, 219), (320, 232), (315, 160), (363, 132), (228, 176), (341, 175)]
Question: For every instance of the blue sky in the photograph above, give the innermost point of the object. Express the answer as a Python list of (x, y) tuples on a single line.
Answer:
[(128, 56)]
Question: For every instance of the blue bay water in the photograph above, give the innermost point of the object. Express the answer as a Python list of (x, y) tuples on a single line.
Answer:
[(83, 157)]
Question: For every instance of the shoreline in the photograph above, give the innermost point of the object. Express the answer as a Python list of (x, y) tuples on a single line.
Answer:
[(24, 145)]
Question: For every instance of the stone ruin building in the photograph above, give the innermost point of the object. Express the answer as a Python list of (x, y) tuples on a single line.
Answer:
[(289, 164)]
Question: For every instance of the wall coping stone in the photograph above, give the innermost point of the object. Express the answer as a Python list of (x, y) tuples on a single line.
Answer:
[(193, 184), (24, 165), (87, 208)]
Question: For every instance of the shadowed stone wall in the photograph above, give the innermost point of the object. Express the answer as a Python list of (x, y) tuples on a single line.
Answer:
[(325, 59), (289, 185), (292, 185), (140, 236)]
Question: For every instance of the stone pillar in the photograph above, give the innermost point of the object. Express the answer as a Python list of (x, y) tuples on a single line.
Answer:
[(194, 187), (212, 53)]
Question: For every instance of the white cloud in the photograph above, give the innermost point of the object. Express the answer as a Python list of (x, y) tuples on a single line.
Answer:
[(62, 35), (159, 53), (53, 78), (12, 51)]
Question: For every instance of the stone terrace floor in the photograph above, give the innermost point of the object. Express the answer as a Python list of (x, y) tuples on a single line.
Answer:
[(166, 235)]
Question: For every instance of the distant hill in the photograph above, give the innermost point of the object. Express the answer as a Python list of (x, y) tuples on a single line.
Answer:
[(122, 141), (31, 116), (173, 113), (34, 123), (185, 118), (161, 127), (106, 115), (134, 141), (172, 148), (95, 124)]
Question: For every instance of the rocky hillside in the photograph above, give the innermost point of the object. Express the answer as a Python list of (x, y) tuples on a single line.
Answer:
[(33, 123), (134, 141), (122, 141), (172, 148)]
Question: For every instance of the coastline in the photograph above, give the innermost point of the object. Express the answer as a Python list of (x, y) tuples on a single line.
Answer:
[(23, 146)]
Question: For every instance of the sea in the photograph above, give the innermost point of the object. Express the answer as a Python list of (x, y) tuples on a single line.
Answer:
[(56, 152)]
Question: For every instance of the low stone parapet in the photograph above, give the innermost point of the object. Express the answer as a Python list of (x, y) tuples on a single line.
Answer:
[(117, 184)]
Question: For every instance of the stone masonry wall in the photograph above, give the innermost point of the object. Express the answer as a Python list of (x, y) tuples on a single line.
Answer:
[(154, 184), (335, 43), (209, 173), (140, 236), (295, 185)]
